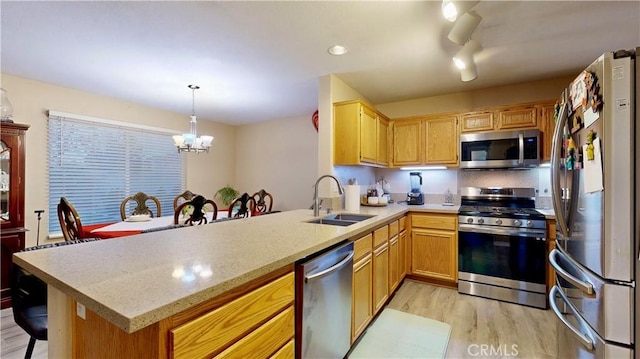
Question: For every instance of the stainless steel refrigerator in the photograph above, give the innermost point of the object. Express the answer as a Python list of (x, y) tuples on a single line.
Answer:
[(594, 179)]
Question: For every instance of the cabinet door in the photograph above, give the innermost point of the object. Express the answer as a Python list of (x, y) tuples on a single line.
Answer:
[(368, 135), (442, 141), (407, 143), (394, 270), (476, 122), (362, 301), (383, 141), (547, 126), (402, 255), (380, 276), (434, 254), (518, 117), (9, 244)]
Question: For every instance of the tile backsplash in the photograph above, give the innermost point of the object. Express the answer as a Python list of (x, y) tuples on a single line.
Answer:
[(436, 182)]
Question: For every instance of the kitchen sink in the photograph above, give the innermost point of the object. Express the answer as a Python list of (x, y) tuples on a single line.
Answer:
[(349, 217), (341, 219)]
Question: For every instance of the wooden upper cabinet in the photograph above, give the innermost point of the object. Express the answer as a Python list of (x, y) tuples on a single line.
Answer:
[(477, 121), (407, 143), (442, 140), (547, 126), (517, 117), (383, 141), (357, 134), (368, 135)]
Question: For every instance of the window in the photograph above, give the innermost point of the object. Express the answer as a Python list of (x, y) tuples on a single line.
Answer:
[(97, 163)]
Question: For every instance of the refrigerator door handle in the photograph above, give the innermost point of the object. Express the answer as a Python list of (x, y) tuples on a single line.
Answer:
[(584, 339), (584, 286), (556, 190)]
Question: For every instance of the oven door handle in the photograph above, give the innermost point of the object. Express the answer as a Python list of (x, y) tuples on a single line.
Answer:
[(584, 339), (584, 286), (524, 232)]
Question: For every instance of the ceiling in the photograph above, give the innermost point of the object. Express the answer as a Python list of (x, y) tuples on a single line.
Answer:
[(257, 61)]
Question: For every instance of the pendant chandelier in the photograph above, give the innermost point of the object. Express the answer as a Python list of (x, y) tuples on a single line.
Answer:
[(190, 142)]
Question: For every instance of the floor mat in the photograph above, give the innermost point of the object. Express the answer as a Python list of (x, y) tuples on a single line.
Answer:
[(397, 334)]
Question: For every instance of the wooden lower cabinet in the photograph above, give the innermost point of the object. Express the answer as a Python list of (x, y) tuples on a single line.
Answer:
[(255, 320), (434, 247), (380, 276), (394, 269), (362, 300), (403, 253)]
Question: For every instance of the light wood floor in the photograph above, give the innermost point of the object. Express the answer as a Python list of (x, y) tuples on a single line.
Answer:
[(477, 321), (474, 322)]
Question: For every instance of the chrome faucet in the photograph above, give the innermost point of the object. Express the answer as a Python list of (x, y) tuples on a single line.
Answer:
[(316, 205)]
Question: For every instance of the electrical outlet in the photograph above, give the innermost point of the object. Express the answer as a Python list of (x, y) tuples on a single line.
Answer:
[(81, 311)]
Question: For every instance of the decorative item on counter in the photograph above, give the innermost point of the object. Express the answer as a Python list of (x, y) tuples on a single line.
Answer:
[(448, 198), (594, 100), (571, 151), (589, 149)]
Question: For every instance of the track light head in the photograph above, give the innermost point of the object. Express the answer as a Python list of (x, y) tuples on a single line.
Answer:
[(464, 27), (464, 57), (451, 9)]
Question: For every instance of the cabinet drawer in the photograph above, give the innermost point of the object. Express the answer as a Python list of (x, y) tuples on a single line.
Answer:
[(215, 330), (393, 229), (435, 221), (266, 340), (362, 247), (286, 352), (380, 235)]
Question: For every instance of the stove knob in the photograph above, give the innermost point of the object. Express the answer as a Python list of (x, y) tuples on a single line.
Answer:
[(469, 220), (516, 222), (480, 220), (529, 224), (498, 221)]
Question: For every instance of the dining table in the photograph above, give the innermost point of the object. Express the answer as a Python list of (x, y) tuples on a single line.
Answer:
[(133, 225)]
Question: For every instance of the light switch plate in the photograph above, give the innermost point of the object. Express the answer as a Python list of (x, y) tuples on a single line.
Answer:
[(81, 311)]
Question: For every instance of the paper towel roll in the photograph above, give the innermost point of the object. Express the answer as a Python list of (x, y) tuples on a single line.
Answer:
[(352, 198)]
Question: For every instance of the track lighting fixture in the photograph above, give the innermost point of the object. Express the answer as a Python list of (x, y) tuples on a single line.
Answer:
[(464, 27), (464, 60), (451, 9)]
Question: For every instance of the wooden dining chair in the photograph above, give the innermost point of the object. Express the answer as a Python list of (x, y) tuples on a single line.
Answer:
[(242, 207), (186, 196), (70, 222), (263, 201), (141, 199), (197, 212)]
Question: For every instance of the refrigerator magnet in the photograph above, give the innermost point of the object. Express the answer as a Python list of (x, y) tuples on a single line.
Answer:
[(594, 100), (578, 91), (589, 148)]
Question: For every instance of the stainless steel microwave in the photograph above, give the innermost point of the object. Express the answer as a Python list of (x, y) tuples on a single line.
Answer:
[(509, 149)]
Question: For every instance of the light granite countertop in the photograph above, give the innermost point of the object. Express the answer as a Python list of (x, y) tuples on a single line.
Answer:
[(138, 280), (548, 213)]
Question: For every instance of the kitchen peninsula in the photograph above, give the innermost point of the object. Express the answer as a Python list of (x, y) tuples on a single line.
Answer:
[(136, 289)]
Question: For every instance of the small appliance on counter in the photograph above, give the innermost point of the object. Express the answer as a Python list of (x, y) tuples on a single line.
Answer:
[(415, 197)]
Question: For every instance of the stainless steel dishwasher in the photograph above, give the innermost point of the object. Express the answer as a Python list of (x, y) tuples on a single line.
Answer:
[(324, 303)]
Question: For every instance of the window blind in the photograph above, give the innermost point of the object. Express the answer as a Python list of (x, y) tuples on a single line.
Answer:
[(97, 164)]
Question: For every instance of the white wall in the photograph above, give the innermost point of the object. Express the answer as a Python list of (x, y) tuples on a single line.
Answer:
[(31, 102), (281, 157)]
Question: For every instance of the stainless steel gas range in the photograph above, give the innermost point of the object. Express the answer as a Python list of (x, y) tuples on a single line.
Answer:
[(502, 245)]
